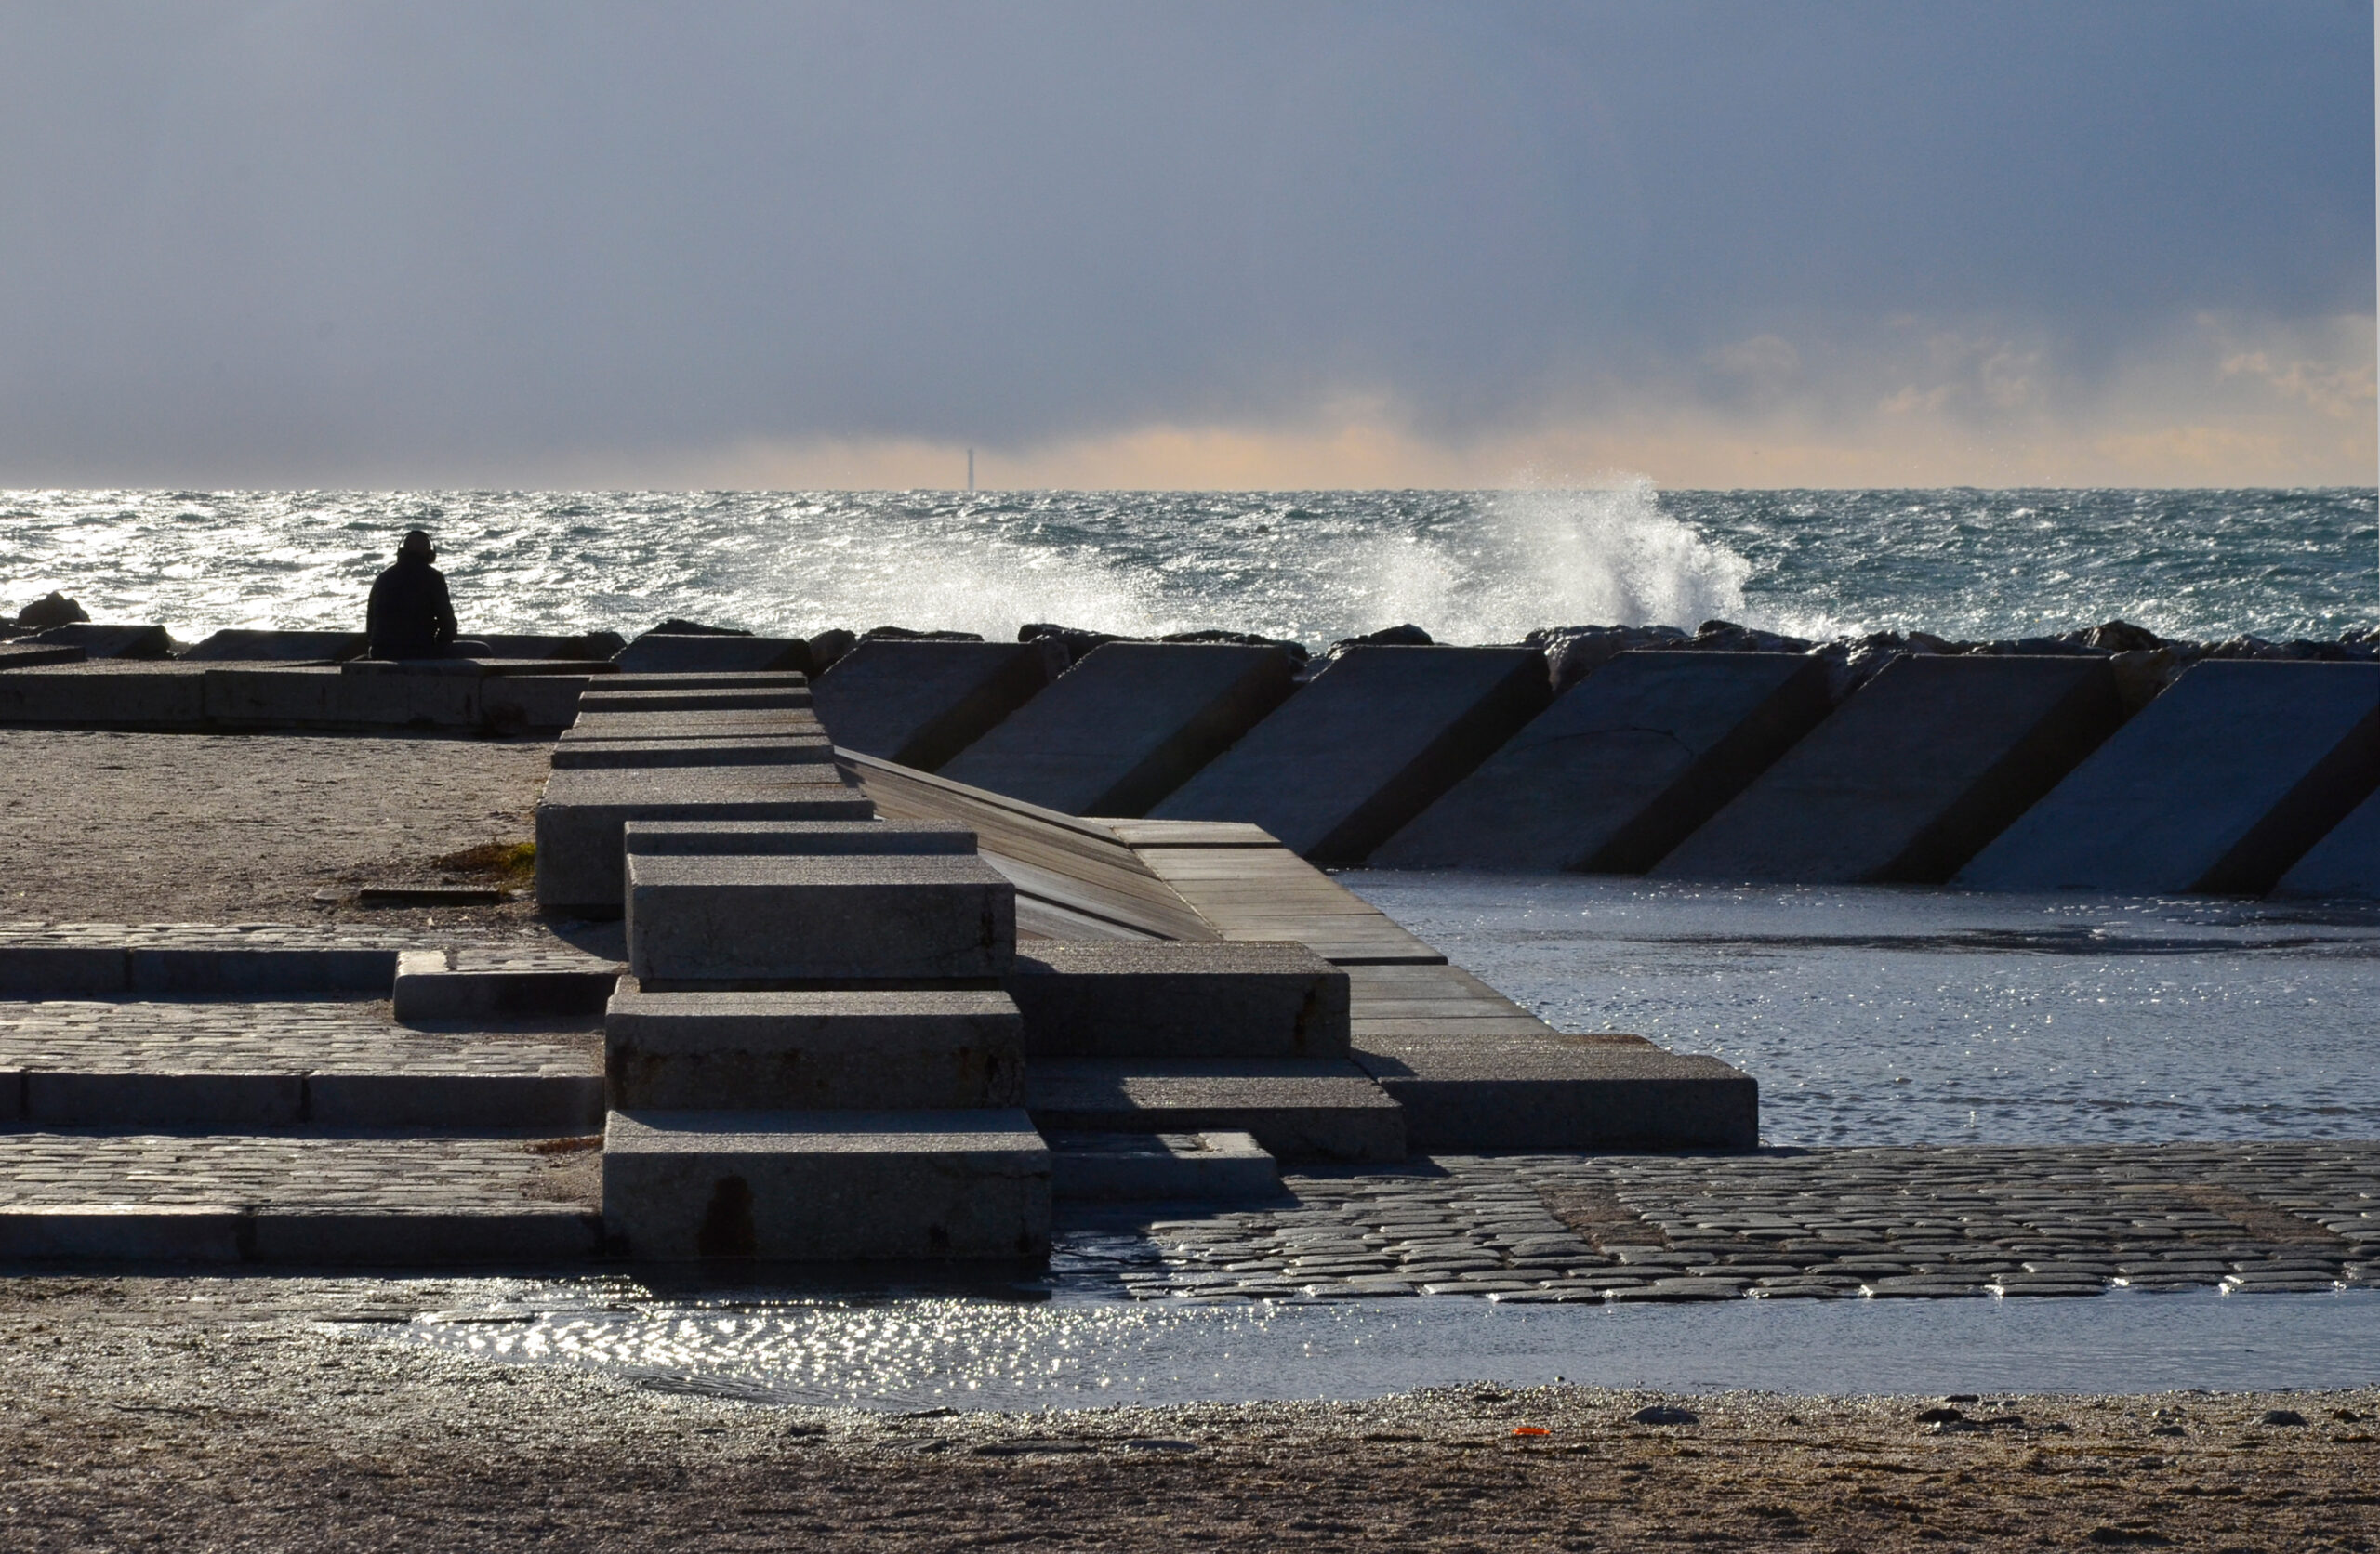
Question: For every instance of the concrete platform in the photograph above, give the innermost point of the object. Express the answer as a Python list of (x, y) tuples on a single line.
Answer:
[(734, 750), (579, 819), (657, 653), (757, 838), (730, 699), (444, 986), (791, 917), (80, 695), (1368, 744), (1161, 1168), (1910, 776), (1167, 1000), (914, 1050), (1316, 1108), (826, 1186), (237, 646), (2220, 784), (248, 1066), (1126, 726), (918, 704), (1622, 768), (2346, 862)]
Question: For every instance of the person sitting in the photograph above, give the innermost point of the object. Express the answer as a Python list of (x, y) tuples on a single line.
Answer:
[(410, 614)]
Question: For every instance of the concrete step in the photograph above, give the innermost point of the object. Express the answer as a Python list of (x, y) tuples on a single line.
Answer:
[(1519, 1089), (496, 985), (917, 1051), (1910, 777), (1317, 1109), (921, 703), (736, 839), (579, 819), (2219, 785), (733, 750), (1127, 725), (826, 1186), (192, 960), (785, 918), (137, 1064), (298, 1198), (1621, 769), (595, 701), (1124, 999), (614, 728), (1161, 1168), (1366, 744)]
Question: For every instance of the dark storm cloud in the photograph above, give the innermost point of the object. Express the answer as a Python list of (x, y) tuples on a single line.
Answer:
[(269, 241)]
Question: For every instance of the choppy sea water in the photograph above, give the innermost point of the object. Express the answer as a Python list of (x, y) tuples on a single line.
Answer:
[(1469, 566), (1881, 1015)]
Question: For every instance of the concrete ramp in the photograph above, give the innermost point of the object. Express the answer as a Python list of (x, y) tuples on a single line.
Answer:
[(1342, 765), (2346, 862), (1911, 776), (2219, 785), (918, 704), (1126, 726), (1621, 770)]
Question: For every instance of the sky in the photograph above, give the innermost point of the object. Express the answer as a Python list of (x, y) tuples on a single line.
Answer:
[(1278, 245)]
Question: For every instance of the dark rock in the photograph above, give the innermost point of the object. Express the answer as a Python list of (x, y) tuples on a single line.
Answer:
[(903, 634), (1849, 667), (1944, 1415), (1727, 636), (1077, 640), (1406, 636), (2142, 675), (2123, 636), (675, 628), (1572, 653), (1297, 651), (2281, 1416), (829, 646), (1661, 1414), (54, 609), (1925, 641), (604, 644)]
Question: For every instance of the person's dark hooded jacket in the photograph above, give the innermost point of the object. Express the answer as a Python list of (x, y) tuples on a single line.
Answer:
[(410, 616)]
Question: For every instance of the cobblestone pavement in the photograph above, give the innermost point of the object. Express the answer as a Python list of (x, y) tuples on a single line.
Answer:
[(1781, 1224), (288, 1036), (82, 1168)]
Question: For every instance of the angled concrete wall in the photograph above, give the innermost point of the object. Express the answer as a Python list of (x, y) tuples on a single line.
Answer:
[(1622, 768), (2219, 785), (2346, 862), (1366, 744), (1126, 726), (921, 703), (1913, 774)]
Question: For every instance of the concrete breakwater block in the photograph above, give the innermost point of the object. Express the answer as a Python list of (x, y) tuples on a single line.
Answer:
[(167, 697), (723, 679), (921, 703), (328, 697), (602, 699), (746, 750), (909, 1050), (1366, 746), (1911, 775), (237, 646), (713, 838), (1127, 725), (1161, 1168), (580, 848), (15, 658), (826, 1186), (1312, 1109), (590, 648), (432, 986), (2219, 785), (1126, 999), (656, 652), (790, 918), (97, 640), (1622, 768), (2345, 863)]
